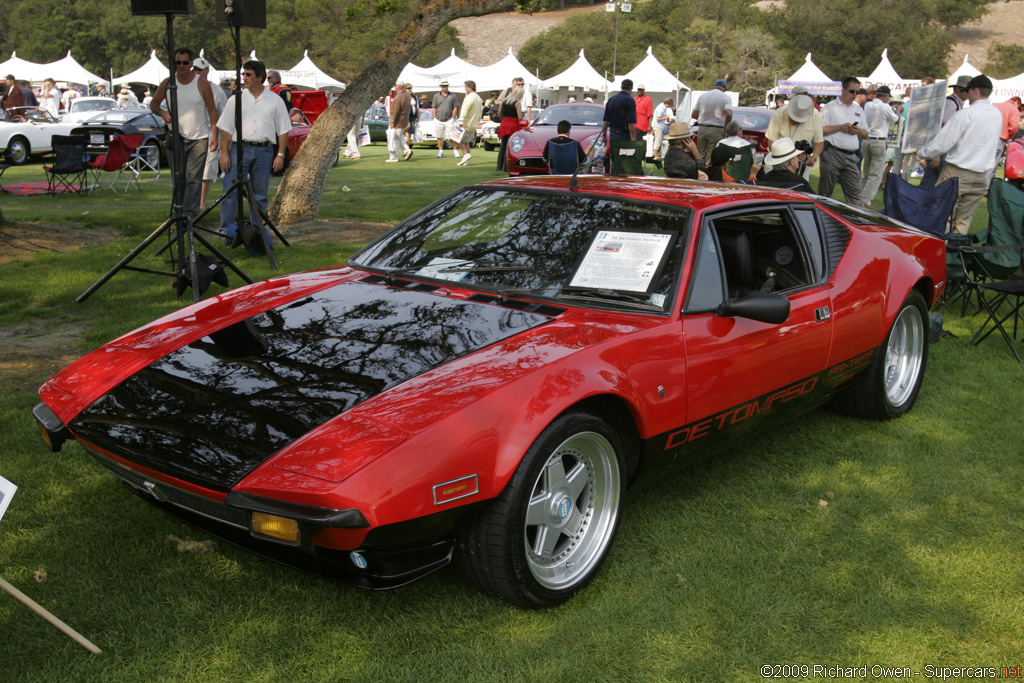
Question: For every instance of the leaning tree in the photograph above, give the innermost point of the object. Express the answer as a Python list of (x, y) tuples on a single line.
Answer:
[(298, 196)]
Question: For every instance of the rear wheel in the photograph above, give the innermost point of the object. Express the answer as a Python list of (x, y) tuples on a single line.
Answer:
[(18, 151), (889, 387), (544, 538)]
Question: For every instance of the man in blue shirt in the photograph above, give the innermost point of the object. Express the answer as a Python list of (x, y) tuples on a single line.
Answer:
[(620, 114)]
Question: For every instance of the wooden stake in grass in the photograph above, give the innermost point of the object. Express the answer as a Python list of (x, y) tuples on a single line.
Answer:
[(41, 611)]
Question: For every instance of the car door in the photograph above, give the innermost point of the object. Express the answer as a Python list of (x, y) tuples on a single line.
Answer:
[(741, 371)]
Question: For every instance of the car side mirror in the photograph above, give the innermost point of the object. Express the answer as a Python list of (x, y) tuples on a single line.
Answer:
[(764, 307)]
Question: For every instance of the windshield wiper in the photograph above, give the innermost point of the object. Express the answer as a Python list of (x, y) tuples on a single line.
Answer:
[(631, 299), (482, 268)]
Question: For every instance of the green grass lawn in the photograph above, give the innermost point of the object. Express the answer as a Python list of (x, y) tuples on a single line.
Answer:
[(829, 541)]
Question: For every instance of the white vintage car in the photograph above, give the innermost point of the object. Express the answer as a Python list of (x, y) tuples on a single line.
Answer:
[(28, 131), (84, 108)]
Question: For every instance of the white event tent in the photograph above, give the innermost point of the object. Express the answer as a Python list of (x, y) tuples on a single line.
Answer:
[(658, 81), (812, 78), (63, 70), (965, 69), (577, 81), (309, 75), (21, 69), (499, 75), (453, 69), (885, 74), (152, 72)]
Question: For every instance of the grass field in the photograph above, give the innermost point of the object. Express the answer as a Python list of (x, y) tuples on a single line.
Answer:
[(830, 541)]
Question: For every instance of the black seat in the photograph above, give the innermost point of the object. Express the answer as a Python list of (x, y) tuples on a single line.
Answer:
[(738, 258), (68, 171)]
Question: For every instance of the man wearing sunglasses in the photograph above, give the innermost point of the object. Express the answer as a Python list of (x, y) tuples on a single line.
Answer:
[(197, 125), (842, 122)]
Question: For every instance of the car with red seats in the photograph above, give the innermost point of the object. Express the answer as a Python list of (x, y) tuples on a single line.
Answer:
[(526, 147), (482, 385)]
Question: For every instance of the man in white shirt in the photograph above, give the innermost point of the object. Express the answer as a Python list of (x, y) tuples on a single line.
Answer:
[(878, 115), (713, 111), (969, 140), (265, 126), (842, 122), (663, 115)]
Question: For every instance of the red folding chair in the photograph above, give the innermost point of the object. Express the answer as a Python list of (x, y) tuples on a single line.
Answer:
[(118, 160)]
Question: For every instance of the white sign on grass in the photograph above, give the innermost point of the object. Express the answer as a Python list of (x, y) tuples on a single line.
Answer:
[(7, 490)]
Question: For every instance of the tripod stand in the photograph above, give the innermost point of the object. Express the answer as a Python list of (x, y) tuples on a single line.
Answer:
[(185, 236)]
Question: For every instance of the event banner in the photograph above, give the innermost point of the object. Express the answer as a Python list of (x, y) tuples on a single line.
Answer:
[(924, 115), (823, 88)]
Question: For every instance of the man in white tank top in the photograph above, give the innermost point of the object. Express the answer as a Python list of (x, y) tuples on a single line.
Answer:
[(197, 125)]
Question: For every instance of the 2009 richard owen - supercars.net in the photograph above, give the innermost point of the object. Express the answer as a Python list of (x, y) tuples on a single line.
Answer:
[(481, 385)]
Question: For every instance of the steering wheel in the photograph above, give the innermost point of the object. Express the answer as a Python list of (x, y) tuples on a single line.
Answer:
[(17, 118)]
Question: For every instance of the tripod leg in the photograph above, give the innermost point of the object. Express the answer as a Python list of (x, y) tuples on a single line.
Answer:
[(254, 216), (123, 262)]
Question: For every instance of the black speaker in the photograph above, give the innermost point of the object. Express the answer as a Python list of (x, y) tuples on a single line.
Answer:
[(241, 13), (151, 7)]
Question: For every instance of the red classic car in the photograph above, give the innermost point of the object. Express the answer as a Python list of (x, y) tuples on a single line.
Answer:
[(307, 107), (526, 147), (481, 384)]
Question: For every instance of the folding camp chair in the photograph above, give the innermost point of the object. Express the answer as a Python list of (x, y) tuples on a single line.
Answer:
[(68, 172), (147, 158), (564, 157), (3, 167), (931, 210), (118, 160), (741, 163), (996, 266), (627, 157)]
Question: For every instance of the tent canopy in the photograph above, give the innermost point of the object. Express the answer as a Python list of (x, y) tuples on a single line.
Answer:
[(812, 78), (581, 75), (885, 74), (453, 69), (67, 69), (152, 72), (309, 75), (499, 75), (652, 74)]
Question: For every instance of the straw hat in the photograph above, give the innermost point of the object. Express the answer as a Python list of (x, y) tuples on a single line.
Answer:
[(679, 129), (782, 150)]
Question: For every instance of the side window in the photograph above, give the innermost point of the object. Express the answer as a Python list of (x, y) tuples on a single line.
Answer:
[(761, 250), (808, 225), (706, 288)]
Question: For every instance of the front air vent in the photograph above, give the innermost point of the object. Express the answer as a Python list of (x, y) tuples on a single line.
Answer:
[(518, 304), (837, 236), (399, 283)]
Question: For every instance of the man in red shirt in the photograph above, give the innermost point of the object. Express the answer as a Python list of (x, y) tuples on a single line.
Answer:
[(644, 112)]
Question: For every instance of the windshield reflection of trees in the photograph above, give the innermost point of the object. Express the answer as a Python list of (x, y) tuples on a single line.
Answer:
[(545, 234)]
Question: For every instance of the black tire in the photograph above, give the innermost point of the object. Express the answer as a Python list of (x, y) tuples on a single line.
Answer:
[(18, 151), (544, 538), (889, 387)]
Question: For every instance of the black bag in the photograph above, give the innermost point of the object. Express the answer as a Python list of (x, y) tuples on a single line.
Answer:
[(496, 112)]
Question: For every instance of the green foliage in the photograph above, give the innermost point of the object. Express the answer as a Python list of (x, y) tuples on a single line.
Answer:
[(1004, 61), (847, 38)]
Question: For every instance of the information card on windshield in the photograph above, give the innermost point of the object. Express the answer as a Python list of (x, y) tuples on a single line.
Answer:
[(624, 261)]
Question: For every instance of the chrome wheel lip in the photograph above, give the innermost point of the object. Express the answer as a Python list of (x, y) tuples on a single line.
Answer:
[(904, 354), (571, 515)]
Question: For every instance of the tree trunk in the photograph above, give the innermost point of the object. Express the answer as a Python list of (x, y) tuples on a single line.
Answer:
[(298, 196)]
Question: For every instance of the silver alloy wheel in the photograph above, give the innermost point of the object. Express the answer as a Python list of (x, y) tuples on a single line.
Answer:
[(903, 356), (17, 151), (572, 512)]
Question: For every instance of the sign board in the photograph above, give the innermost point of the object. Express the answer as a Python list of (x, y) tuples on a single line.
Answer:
[(924, 115), (825, 88)]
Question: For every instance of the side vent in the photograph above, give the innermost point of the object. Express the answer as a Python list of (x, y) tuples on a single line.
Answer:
[(518, 304), (837, 236), (399, 283)]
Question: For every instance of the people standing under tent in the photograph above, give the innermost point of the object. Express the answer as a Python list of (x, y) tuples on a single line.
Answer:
[(398, 122), (472, 113), (446, 112), (713, 111), (49, 97)]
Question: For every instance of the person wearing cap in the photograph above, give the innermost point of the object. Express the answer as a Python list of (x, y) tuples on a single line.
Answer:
[(954, 103), (197, 125), (446, 112), (878, 116), (713, 111), (264, 140), (278, 88), (620, 114), (220, 100), (682, 160), (644, 112), (969, 140), (798, 120), (842, 122), (12, 94), (783, 164), (398, 122)]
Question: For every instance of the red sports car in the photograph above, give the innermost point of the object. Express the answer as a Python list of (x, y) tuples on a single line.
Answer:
[(526, 148), (753, 125), (481, 384)]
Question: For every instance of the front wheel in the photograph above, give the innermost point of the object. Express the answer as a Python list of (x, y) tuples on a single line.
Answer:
[(889, 387), (18, 151), (544, 538)]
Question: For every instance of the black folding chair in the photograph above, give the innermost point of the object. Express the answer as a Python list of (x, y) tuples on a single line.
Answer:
[(68, 173), (564, 159)]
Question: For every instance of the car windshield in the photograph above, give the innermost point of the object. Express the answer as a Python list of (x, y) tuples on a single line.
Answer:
[(79, 106), (749, 119), (577, 116), (117, 116), (595, 251)]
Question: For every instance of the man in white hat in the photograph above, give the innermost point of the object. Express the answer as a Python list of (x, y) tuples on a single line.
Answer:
[(798, 120), (212, 170), (446, 113), (783, 162)]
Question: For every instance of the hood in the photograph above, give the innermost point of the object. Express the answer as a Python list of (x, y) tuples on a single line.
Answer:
[(213, 410)]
